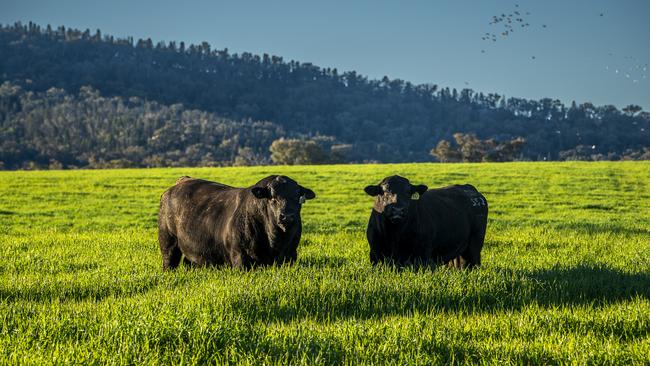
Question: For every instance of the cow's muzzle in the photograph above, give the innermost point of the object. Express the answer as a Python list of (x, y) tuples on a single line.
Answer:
[(287, 219), (395, 214)]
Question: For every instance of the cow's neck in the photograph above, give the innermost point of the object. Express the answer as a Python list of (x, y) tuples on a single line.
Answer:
[(251, 222), (259, 220), (403, 230), (402, 237)]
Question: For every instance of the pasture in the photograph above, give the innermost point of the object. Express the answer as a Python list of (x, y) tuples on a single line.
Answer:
[(565, 275)]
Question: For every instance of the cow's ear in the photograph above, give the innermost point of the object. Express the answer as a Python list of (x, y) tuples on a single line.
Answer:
[(372, 190), (261, 192), (419, 189), (307, 193)]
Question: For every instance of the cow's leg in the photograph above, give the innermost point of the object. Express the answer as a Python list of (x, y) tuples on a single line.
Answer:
[(187, 262), (239, 260), (375, 258), (457, 263), (473, 252), (171, 253), (291, 257)]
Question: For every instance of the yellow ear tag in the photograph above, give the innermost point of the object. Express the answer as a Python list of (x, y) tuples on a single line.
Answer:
[(415, 196)]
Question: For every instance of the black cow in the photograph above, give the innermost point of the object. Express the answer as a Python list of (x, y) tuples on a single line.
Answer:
[(444, 225), (211, 223)]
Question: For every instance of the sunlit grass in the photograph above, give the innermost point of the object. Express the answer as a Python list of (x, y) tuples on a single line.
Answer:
[(565, 276)]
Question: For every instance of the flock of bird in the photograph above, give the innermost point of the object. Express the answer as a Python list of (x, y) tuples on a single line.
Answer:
[(634, 70), (517, 20), (509, 22)]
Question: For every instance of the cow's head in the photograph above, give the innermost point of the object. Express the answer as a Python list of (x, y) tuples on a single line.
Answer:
[(394, 195), (285, 198)]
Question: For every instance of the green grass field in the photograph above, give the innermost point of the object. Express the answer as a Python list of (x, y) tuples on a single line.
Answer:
[(565, 275)]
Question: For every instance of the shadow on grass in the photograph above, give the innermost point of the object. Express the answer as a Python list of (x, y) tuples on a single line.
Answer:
[(591, 285), (46, 268), (602, 228), (596, 207), (374, 293), (93, 291)]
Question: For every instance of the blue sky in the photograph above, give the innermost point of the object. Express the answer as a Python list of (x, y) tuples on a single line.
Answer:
[(434, 41)]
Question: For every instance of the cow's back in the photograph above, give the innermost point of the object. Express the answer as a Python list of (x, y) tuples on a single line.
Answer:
[(454, 213), (195, 211), (191, 196), (464, 198)]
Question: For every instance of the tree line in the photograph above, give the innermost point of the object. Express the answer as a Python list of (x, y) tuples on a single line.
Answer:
[(384, 120), (470, 149)]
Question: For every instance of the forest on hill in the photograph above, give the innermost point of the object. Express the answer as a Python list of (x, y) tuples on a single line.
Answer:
[(75, 98), (54, 129)]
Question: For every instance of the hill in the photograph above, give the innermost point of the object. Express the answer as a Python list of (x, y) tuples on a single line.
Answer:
[(54, 129), (387, 120)]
